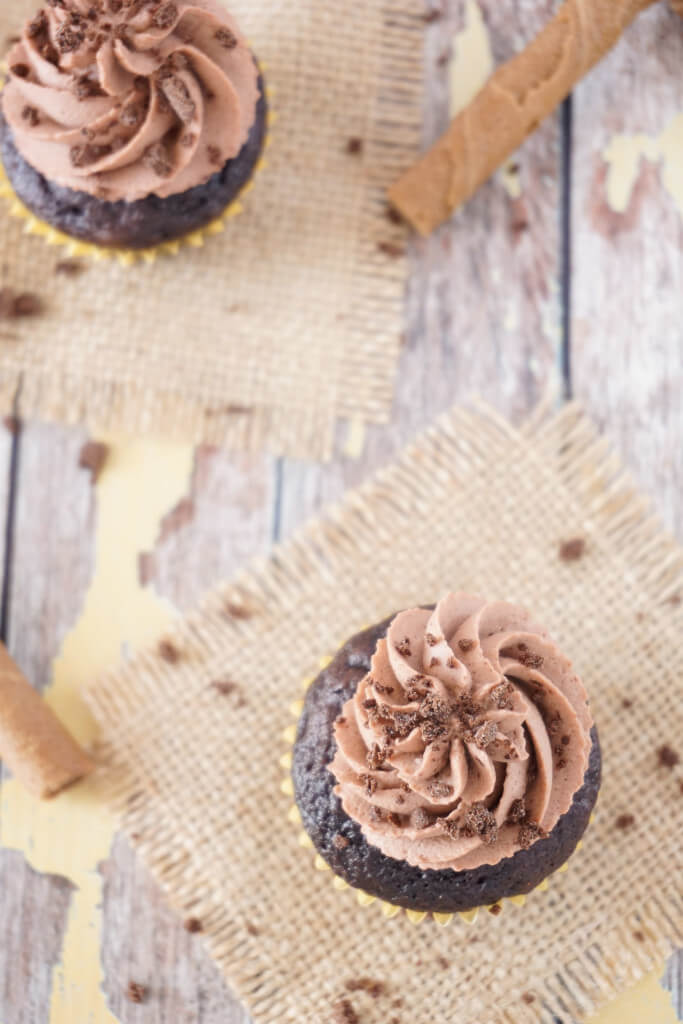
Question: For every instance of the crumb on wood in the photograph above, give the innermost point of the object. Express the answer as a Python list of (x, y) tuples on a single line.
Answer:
[(169, 652), (93, 457), (667, 756), (136, 992), (572, 550), (193, 925)]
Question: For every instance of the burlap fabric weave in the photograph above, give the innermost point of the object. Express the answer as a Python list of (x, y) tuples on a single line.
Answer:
[(194, 771), (288, 320)]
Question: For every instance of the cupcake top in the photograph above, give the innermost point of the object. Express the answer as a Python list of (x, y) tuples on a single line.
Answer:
[(127, 98), (468, 738)]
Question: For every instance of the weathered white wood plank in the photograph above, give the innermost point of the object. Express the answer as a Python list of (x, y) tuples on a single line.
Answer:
[(627, 236)]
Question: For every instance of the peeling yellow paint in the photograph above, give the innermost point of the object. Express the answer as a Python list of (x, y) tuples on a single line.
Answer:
[(624, 154), (644, 1003), (71, 835), (472, 62)]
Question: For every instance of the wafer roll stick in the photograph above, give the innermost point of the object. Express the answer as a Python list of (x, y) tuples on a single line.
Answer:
[(33, 743), (511, 106)]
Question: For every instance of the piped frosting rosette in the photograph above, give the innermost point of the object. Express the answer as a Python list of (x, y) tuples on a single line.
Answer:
[(127, 98), (468, 738)]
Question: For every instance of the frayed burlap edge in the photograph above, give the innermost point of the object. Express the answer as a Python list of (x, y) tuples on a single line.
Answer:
[(566, 452)]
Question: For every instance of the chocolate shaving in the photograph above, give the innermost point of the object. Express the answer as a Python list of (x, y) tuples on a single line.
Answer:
[(370, 783), (177, 94), (501, 694), (485, 734), (156, 158)]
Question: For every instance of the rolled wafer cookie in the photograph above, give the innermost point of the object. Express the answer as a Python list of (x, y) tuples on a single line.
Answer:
[(510, 107), (33, 742)]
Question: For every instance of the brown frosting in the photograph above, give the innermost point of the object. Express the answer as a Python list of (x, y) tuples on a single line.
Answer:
[(125, 98), (468, 738)]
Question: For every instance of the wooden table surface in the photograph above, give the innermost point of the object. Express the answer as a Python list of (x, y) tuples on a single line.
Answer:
[(577, 282)]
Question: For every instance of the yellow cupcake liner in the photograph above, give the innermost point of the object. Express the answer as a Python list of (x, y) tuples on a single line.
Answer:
[(365, 899), (74, 247)]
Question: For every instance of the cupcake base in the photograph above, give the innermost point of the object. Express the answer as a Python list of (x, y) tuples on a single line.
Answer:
[(146, 222), (364, 866)]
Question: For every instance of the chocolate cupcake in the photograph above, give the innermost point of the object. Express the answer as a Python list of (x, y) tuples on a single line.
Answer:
[(446, 759), (129, 123)]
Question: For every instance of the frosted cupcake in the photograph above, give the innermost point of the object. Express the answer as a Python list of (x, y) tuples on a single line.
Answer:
[(129, 123), (447, 758)]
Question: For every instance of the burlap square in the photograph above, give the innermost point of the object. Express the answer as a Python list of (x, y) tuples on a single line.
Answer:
[(289, 319), (194, 771)]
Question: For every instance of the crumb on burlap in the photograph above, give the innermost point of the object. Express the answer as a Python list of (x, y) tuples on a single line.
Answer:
[(169, 652), (496, 909), (394, 216), (392, 249), (626, 702), (372, 986), (528, 998), (224, 687), (69, 267), (443, 962), (625, 821), (93, 457), (238, 610), (193, 925), (572, 550), (136, 992), (354, 146), (639, 936), (344, 1013), (14, 305), (667, 756), (252, 929)]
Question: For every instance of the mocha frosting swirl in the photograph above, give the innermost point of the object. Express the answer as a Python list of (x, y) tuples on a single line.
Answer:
[(468, 738), (127, 98)]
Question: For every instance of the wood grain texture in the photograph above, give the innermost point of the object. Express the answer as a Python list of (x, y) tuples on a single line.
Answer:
[(627, 333)]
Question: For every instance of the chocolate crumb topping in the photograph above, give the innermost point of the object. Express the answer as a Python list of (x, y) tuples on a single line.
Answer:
[(136, 992), (465, 645), (193, 925), (375, 757), (176, 92), (156, 158), (340, 842), (214, 155), (420, 818), (517, 812), (31, 116), (529, 660), (165, 15), (485, 734), (431, 640), (383, 689), (572, 550), (667, 756), (370, 783), (501, 694), (403, 647), (479, 821), (20, 70), (529, 832), (226, 38), (625, 821)]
